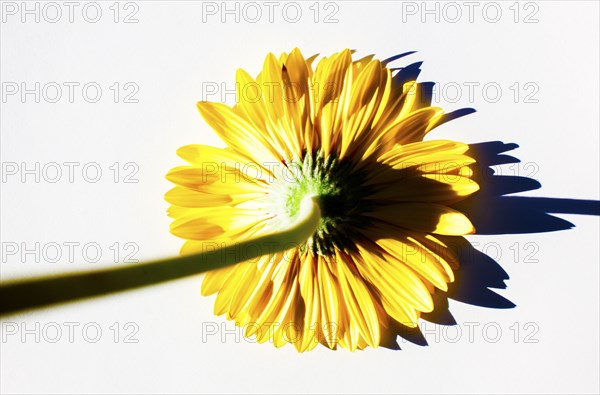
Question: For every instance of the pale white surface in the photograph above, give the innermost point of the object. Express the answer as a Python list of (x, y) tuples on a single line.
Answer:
[(169, 54)]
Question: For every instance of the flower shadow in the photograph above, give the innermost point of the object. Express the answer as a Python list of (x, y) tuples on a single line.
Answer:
[(492, 212)]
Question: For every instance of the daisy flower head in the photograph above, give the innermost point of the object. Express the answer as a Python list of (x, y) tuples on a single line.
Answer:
[(349, 134)]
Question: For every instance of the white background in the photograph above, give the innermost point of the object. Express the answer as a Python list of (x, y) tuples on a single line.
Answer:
[(169, 54)]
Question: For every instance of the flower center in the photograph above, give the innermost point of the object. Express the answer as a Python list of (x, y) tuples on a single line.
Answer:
[(337, 187)]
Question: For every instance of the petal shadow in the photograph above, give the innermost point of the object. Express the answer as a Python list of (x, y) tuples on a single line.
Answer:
[(492, 212)]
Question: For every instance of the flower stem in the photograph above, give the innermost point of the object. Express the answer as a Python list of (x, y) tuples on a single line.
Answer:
[(48, 290)]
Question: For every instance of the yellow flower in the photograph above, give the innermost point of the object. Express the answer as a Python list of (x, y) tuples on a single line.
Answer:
[(350, 133)]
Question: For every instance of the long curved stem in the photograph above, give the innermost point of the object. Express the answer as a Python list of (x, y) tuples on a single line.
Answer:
[(44, 291)]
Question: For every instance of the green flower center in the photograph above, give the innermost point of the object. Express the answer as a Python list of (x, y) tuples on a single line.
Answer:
[(338, 188)]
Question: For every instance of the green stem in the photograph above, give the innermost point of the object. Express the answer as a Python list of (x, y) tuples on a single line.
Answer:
[(44, 291)]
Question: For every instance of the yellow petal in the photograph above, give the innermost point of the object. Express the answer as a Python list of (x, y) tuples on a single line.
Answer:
[(434, 188), (186, 197), (358, 301), (219, 180), (425, 217), (429, 264), (210, 223), (238, 133)]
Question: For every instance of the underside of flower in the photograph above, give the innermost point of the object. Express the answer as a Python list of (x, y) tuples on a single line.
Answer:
[(338, 189), (353, 138)]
